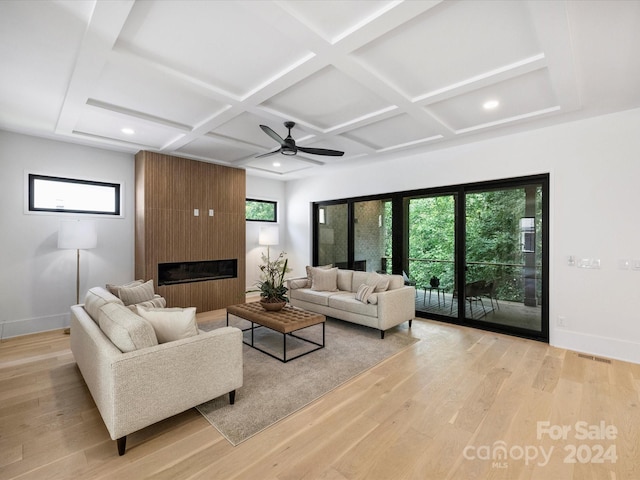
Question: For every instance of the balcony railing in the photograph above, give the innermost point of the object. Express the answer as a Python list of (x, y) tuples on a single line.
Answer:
[(509, 277)]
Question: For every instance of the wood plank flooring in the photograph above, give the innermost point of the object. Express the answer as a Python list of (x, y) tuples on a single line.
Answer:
[(459, 404)]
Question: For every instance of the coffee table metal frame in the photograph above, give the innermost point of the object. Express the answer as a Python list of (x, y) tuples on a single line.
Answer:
[(255, 323)]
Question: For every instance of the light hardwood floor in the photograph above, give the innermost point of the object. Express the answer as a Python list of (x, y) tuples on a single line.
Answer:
[(435, 411)]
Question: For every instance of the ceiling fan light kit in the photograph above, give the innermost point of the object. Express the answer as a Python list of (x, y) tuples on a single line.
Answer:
[(288, 145)]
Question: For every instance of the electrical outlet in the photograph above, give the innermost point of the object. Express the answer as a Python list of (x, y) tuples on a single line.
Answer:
[(624, 264), (562, 321)]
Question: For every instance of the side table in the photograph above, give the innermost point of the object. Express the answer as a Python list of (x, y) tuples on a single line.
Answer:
[(438, 291)]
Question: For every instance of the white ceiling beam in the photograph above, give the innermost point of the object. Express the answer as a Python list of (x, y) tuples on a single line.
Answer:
[(103, 29)]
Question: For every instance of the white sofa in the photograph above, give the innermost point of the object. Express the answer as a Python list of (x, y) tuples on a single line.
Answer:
[(339, 293), (140, 381)]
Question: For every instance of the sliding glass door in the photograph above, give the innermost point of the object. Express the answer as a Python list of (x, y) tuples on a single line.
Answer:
[(432, 259), (504, 252), (476, 253), (332, 239), (372, 236)]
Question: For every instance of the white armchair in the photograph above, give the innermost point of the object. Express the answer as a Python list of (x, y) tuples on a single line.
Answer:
[(136, 389)]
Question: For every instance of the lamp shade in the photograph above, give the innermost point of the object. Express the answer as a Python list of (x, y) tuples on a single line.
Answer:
[(77, 235), (269, 235)]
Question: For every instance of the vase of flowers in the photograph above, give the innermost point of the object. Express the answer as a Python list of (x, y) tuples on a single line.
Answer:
[(271, 286)]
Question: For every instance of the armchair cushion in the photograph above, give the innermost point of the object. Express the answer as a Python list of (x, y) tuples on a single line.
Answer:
[(126, 330), (171, 324), (97, 297)]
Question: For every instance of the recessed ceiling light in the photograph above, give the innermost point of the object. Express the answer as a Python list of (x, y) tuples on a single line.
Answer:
[(490, 104), (276, 164), (128, 131)]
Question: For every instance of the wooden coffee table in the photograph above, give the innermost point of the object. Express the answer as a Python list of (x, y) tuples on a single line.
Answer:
[(288, 320)]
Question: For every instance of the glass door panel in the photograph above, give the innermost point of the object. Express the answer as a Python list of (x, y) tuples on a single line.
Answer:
[(503, 248), (333, 234), (372, 236), (431, 253)]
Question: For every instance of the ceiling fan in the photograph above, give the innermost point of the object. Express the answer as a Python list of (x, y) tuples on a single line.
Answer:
[(288, 145)]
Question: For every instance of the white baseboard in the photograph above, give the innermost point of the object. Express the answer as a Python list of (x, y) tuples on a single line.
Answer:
[(26, 326), (613, 348)]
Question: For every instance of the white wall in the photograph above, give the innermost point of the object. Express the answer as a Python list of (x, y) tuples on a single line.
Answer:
[(594, 167), (38, 281)]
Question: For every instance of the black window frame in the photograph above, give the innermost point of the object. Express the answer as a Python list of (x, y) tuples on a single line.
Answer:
[(116, 189), (270, 202)]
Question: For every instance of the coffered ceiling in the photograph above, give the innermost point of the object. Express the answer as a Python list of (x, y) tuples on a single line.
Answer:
[(375, 79)]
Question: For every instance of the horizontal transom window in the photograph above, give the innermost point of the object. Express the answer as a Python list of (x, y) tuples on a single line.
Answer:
[(56, 194)]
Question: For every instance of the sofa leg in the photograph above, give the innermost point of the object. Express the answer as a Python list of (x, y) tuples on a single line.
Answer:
[(122, 445), (381, 334), (410, 323), (232, 397)]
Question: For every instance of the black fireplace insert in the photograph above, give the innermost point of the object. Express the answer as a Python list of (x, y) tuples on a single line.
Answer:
[(185, 272)]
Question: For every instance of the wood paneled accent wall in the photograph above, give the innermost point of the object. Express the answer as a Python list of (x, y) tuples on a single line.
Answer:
[(168, 189)]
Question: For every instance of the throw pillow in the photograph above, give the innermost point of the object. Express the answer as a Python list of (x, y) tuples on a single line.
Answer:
[(308, 268), (171, 324), (126, 330), (324, 280), (363, 292), (156, 302), (136, 294), (379, 282), (373, 299), (114, 288)]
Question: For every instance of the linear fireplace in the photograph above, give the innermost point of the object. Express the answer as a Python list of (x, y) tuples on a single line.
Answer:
[(185, 272)]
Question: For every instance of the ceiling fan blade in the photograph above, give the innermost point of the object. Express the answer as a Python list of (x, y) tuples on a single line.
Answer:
[(268, 154), (272, 134), (321, 151)]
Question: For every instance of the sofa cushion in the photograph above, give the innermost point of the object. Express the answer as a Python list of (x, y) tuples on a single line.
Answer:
[(324, 280), (395, 281), (170, 324), (136, 294), (126, 330), (310, 296), (295, 283), (348, 303), (363, 292), (97, 297), (358, 279), (344, 280), (114, 288), (309, 276)]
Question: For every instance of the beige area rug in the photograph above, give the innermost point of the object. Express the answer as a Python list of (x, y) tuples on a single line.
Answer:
[(273, 390)]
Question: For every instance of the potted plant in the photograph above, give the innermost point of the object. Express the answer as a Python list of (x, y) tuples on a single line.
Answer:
[(271, 286)]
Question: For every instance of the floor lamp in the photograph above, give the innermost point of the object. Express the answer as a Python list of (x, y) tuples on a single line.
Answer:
[(77, 235), (269, 235)]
